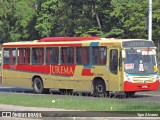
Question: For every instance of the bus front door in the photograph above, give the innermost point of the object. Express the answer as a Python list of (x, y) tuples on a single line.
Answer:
[(114, 71)]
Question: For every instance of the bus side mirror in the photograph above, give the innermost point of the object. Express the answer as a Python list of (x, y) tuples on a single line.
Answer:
[(123, 54), (155, 69)]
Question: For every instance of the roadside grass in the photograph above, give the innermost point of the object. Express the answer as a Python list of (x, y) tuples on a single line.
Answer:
[(77, 102)]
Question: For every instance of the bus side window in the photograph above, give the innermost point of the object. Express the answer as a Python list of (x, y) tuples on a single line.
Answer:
[(67, 55), (82, 55), (34, 56), (48, 55), (10, 56), (114, 61), (70, 55), (99, 55), (20, 56), (52, 55), (37, 55), (6, 56), (95, 55), (27, 56), (103, 55), (86, 56), (40, 56), (23, 55), (64, 55), (79, 55)]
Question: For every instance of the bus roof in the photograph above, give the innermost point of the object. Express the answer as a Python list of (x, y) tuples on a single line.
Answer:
[(66, 41)]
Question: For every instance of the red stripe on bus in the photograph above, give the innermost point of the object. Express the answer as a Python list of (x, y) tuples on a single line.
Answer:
[(87, 72), (61, 70)]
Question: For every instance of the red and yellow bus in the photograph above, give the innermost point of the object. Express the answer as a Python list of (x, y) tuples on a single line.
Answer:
[(94, 64)]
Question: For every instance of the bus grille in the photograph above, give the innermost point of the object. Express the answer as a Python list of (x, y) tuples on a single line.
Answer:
[(143, 79)]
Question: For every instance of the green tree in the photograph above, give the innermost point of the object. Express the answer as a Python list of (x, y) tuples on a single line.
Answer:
[(93, 18), (33, 19), (72, 18), (4, 20), (16, 16), (156, 21), (128, 19)]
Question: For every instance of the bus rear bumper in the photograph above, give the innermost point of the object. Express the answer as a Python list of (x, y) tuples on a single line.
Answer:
[(129, 86)]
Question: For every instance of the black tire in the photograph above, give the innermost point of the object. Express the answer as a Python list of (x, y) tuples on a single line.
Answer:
[(37, 85), (129, 94), (99, 89)]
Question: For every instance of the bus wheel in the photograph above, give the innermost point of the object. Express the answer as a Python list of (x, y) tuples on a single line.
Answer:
[(37, 85), (129, 94), (99, 89)]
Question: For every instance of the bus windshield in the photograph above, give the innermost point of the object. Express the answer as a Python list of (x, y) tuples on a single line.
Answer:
[(140, 60)]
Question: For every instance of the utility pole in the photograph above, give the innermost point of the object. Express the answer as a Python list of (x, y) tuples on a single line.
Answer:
[(150, 20)]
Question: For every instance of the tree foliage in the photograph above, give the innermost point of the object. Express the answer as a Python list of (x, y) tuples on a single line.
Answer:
[(33, 19)]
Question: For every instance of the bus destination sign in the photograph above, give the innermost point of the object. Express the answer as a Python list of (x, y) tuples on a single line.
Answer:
[(137, 44)]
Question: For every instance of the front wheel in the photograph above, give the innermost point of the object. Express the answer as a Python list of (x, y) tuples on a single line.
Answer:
[(37, 85), (99, 89)]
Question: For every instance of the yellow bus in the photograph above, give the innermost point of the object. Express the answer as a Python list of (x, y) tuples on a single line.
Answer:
[(100, 65)]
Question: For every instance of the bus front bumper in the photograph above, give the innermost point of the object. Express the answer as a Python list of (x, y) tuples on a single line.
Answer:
[(129, 86)]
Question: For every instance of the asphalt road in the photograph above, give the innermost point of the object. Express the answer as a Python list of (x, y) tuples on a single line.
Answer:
[(149, 96)]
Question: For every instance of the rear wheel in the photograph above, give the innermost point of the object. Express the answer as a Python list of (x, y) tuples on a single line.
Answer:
[(99, 89), (37, 85)]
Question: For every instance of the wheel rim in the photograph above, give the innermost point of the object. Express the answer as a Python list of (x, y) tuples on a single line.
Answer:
[(100, 88), (38, 86)]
